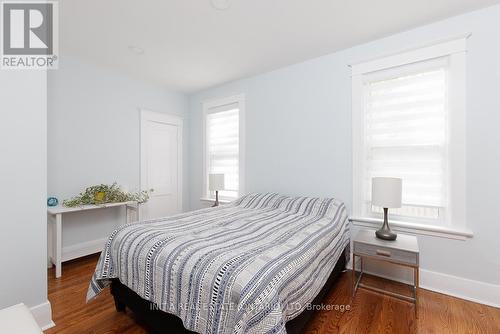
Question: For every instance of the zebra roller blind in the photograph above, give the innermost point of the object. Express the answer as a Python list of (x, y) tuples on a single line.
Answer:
[(222, 147), (405, 135)]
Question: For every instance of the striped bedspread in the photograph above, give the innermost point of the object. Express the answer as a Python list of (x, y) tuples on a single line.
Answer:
[(245, 267)]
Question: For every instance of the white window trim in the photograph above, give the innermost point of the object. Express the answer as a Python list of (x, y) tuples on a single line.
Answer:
[(213, 103), (415, 228), (211, 200), (456, 50)]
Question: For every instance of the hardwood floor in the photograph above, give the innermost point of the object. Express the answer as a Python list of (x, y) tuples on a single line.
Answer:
[(368, 312)]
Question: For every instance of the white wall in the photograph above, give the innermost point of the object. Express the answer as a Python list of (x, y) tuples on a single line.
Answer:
[(23, 179), (299, 138), (94, 137)]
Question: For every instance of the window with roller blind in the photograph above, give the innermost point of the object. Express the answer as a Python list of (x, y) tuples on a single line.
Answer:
[(223, 145), (408, 122)]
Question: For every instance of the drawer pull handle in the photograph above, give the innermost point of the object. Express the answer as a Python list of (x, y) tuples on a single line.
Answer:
[(383, 253)]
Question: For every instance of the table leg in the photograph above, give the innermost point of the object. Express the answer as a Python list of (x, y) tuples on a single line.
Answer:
[(416, 281), (132, 213), (353, 275), (50, 243), (58, 245)]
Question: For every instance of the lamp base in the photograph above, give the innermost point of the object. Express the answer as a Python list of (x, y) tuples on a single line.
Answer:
[(385, 232), (216, 203)]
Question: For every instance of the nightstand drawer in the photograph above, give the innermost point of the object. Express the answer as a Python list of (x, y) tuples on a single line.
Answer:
[(385, 253)]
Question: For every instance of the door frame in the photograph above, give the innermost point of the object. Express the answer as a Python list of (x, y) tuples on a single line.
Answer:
[(152, 116)]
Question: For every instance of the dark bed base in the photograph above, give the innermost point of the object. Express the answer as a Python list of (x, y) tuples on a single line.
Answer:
[(159, 322)]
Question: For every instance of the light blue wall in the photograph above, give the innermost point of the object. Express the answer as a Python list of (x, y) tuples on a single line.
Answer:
[(297, 129), (23, 176), (94, 137), (298, 125)]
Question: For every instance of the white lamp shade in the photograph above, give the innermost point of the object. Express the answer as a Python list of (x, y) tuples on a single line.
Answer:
[(216, 182), (387, 192)]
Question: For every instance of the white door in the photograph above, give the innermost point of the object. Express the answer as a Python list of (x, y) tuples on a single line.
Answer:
[(161, 164)]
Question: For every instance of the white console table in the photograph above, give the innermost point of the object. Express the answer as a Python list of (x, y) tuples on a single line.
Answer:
[(54, 234)]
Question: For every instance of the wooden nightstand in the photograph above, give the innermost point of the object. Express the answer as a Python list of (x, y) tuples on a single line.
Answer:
[(403, 251)]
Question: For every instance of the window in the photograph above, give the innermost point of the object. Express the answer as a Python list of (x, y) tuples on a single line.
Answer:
[(223, 145), (408, 122)]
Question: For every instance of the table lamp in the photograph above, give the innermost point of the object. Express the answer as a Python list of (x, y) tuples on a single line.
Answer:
[(216, 183), (386, 193)]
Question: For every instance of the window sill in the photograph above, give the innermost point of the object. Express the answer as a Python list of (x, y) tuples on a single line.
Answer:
[(211, 200), (414, 228)]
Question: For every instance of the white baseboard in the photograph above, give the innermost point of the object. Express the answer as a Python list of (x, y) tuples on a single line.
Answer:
[(475, 291), (43, 315), (83, 249)]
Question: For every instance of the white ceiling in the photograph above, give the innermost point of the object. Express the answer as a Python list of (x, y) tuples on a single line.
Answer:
[(188, 45)]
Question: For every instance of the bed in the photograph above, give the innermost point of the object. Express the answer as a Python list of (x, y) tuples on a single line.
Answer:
[(250, 266)]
